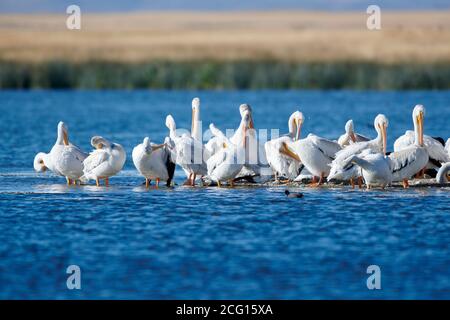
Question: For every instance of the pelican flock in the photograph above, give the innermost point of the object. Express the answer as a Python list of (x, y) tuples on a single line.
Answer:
[(225, 159)]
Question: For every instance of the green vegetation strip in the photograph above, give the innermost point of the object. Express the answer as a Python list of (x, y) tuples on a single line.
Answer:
[(224, 75)]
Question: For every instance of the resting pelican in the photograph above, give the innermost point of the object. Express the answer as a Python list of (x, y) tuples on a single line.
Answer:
[(280, 164), (436, 151), (256, 161), (188, 153), (64, 159), (226, 164), (154, 162), (350, 136), (375, 168), (341, 169), (411, 160), (105, 161), (315, 153)]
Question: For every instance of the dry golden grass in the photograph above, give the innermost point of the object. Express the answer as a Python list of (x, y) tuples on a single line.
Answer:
[(288, 36)]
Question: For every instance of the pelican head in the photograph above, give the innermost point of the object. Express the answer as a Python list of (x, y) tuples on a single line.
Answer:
[(99, 142), (381, 123), (349, 130), (63, 133), (418, 115), (295, 124), (170, 123), (147, 146), (245, 108), (39, 164)]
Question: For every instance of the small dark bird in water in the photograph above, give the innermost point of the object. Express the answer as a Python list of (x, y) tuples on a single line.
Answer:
[(293, 195)]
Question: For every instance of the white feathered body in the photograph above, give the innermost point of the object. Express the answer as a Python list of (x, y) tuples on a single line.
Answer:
[(408, 162), (283, 165), (434, 148), (104, 163), (316, 153), (151, 164)]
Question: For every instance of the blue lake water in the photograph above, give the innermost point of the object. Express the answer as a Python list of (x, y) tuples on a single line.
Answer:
[(200, 243)]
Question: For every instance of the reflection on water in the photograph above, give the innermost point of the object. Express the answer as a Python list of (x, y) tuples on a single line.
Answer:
[(225, 243)]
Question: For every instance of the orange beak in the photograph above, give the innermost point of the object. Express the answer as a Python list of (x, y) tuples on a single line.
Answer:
[(65, 138), (299, 129), (420, 121), (284, 149), (353, 137)]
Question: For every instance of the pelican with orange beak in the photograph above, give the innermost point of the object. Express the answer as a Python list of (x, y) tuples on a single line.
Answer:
[(350, 136), (344, 170), (276, 149), (436, 151), (226, 164), (411, 160), (106, 160), (64, 159)]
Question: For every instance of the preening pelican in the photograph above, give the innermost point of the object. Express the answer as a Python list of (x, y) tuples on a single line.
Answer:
[(315, 153), (341, 169), (64, 159), (226, 164), (188, 153), (282, 165), (105, 161), (375, 168), (436, 151), (410, 160), (350, 136), (154, 162)]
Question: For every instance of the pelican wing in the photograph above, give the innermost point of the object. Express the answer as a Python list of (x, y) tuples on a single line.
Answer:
[(95, 159), (435, 149), (404, 141), (403, 158), (328, 147)]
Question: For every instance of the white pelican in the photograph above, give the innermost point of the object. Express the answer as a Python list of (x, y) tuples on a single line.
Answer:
[(226, 164), (315, 153), (447, 146), (64, 159), (341, 169), (375, 168), (105, 161), (436, 151), (188, 153), (256, 161), (153, 161), (413, 159), (280, 164), (350, 136)]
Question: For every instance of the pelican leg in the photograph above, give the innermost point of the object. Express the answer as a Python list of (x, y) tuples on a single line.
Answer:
[(188, 181), (147, 182), (231, 183), (193, 180), (218, 183), (420, 174), (69, 182), (157, 183), (74, 182), (313, 182), (405, 183), (106, 182), (352, 183), (97, 182), (360, 182)]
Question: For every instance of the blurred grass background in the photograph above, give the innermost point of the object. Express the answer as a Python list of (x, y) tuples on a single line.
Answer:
[(229, 50)]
